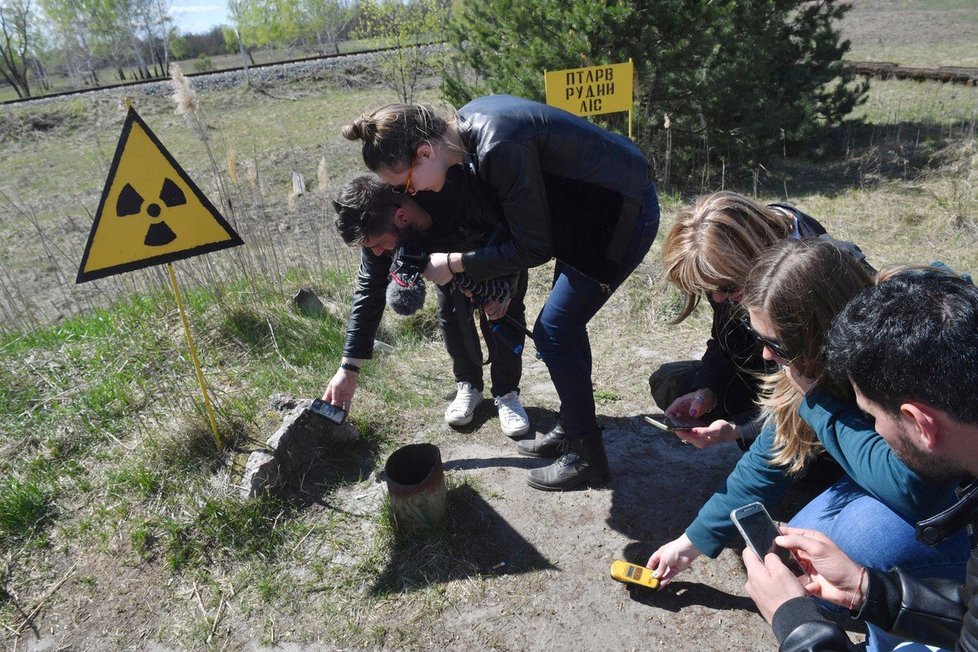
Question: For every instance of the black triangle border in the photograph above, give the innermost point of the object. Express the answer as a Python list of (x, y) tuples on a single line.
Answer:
[(235, 240)]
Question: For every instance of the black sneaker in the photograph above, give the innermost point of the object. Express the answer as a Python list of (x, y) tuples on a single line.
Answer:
[(552, 444)]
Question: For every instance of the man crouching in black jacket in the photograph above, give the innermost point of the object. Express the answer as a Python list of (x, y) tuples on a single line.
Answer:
[(379, 218), (909, 346)]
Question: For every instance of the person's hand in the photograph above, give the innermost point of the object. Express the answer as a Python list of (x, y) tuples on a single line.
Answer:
[(834, 577), (495, 310), (672, 559), (695, 404), (437, 270), (802, 383), (717, 432), (769, 583), (341, 388)]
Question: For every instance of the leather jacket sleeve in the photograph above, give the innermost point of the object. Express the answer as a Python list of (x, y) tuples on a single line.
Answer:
[(930, 611), (514, 174), (367, 307), (801, 628)]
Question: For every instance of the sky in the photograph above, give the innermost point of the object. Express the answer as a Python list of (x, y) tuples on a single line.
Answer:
[(198, 15)]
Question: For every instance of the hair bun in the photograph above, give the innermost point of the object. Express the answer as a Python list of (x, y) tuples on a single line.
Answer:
[(359, 129)]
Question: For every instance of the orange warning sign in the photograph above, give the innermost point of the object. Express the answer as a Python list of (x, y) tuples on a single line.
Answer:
[(150, 212)]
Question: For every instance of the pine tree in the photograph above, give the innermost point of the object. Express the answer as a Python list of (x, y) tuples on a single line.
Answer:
[(740, 81)]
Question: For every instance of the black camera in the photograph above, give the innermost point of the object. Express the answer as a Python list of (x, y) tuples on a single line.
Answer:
[(327, 411), (409, 263)]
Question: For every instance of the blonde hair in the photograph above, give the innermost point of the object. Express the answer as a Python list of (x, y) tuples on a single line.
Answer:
[(392, 134), (716, 242), (800, 286)]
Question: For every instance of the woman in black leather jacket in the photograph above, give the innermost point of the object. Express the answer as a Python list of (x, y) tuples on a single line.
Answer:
[(569, 190)]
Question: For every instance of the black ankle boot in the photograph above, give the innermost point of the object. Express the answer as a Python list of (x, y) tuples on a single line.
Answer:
[(584, 462), (551, 444)]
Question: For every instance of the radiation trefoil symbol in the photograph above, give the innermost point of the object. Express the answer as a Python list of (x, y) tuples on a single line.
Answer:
[(131, 203), (151, 212)]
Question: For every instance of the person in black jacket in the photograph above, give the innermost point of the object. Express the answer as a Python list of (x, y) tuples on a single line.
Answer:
[(909, 346), (569, 190), (378, 218)]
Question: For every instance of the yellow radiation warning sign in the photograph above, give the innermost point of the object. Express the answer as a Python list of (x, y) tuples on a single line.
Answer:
[(150, 212)]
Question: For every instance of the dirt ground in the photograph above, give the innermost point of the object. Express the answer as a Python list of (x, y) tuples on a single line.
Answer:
[(542, 581)]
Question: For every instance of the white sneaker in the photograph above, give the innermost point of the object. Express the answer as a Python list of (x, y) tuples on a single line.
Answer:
[(512, 416), (463, 407)]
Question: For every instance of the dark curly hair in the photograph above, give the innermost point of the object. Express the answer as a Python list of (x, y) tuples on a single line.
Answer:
[(913, 337), (364, 209)]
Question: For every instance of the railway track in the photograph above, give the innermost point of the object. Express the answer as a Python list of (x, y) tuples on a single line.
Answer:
[(874, 69), (209, 73)]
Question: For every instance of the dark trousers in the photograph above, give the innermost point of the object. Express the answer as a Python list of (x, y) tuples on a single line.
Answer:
[(456, 319), (560, 333), (675, 379)]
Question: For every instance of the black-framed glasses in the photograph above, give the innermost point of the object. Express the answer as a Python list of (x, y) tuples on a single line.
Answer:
[(776, 347)]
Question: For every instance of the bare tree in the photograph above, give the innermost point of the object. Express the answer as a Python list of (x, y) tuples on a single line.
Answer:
[(71, 24), (236, 9), (15, 24), (328, 20), (127, 15), (166, 27)]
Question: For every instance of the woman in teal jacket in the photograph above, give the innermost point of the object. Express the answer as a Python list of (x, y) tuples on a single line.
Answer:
[(792, 294)]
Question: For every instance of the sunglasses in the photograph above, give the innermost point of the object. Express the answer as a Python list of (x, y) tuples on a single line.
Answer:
[(727, 289), (776, 347), (406, 187)]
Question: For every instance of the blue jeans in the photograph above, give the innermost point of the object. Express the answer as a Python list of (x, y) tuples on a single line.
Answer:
[(560, 333), (876, 537)]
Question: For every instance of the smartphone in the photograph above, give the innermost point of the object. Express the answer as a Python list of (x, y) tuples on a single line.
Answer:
[(758, 529), (671, 424), (628, 573), (327, 411)]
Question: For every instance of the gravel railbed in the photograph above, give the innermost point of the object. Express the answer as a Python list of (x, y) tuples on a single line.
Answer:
[(351, 71)]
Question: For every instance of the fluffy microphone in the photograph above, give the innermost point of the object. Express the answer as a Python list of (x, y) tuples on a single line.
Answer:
[(408, 300)]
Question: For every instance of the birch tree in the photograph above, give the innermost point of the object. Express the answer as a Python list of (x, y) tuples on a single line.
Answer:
[(16, 18)]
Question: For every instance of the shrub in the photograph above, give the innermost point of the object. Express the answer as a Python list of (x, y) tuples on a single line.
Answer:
[(203, 63)]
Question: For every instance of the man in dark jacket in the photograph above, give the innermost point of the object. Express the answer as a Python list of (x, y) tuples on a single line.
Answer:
[(379, 218), (909, 346)]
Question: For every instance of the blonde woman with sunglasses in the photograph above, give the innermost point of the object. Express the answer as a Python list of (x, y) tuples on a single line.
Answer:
[(707, 255)]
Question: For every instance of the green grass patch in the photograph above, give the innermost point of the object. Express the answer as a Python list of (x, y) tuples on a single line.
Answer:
[(137, 479), (26, 506), (227, 528)]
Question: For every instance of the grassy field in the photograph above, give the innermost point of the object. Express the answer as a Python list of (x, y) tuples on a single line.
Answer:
[(914, 32), (110, 481)]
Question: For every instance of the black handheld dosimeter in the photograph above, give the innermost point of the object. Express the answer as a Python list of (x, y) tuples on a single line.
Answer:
[(327, 411), (759, 531)]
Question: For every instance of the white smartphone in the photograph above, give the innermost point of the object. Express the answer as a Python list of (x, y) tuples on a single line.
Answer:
[(759, 530)]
